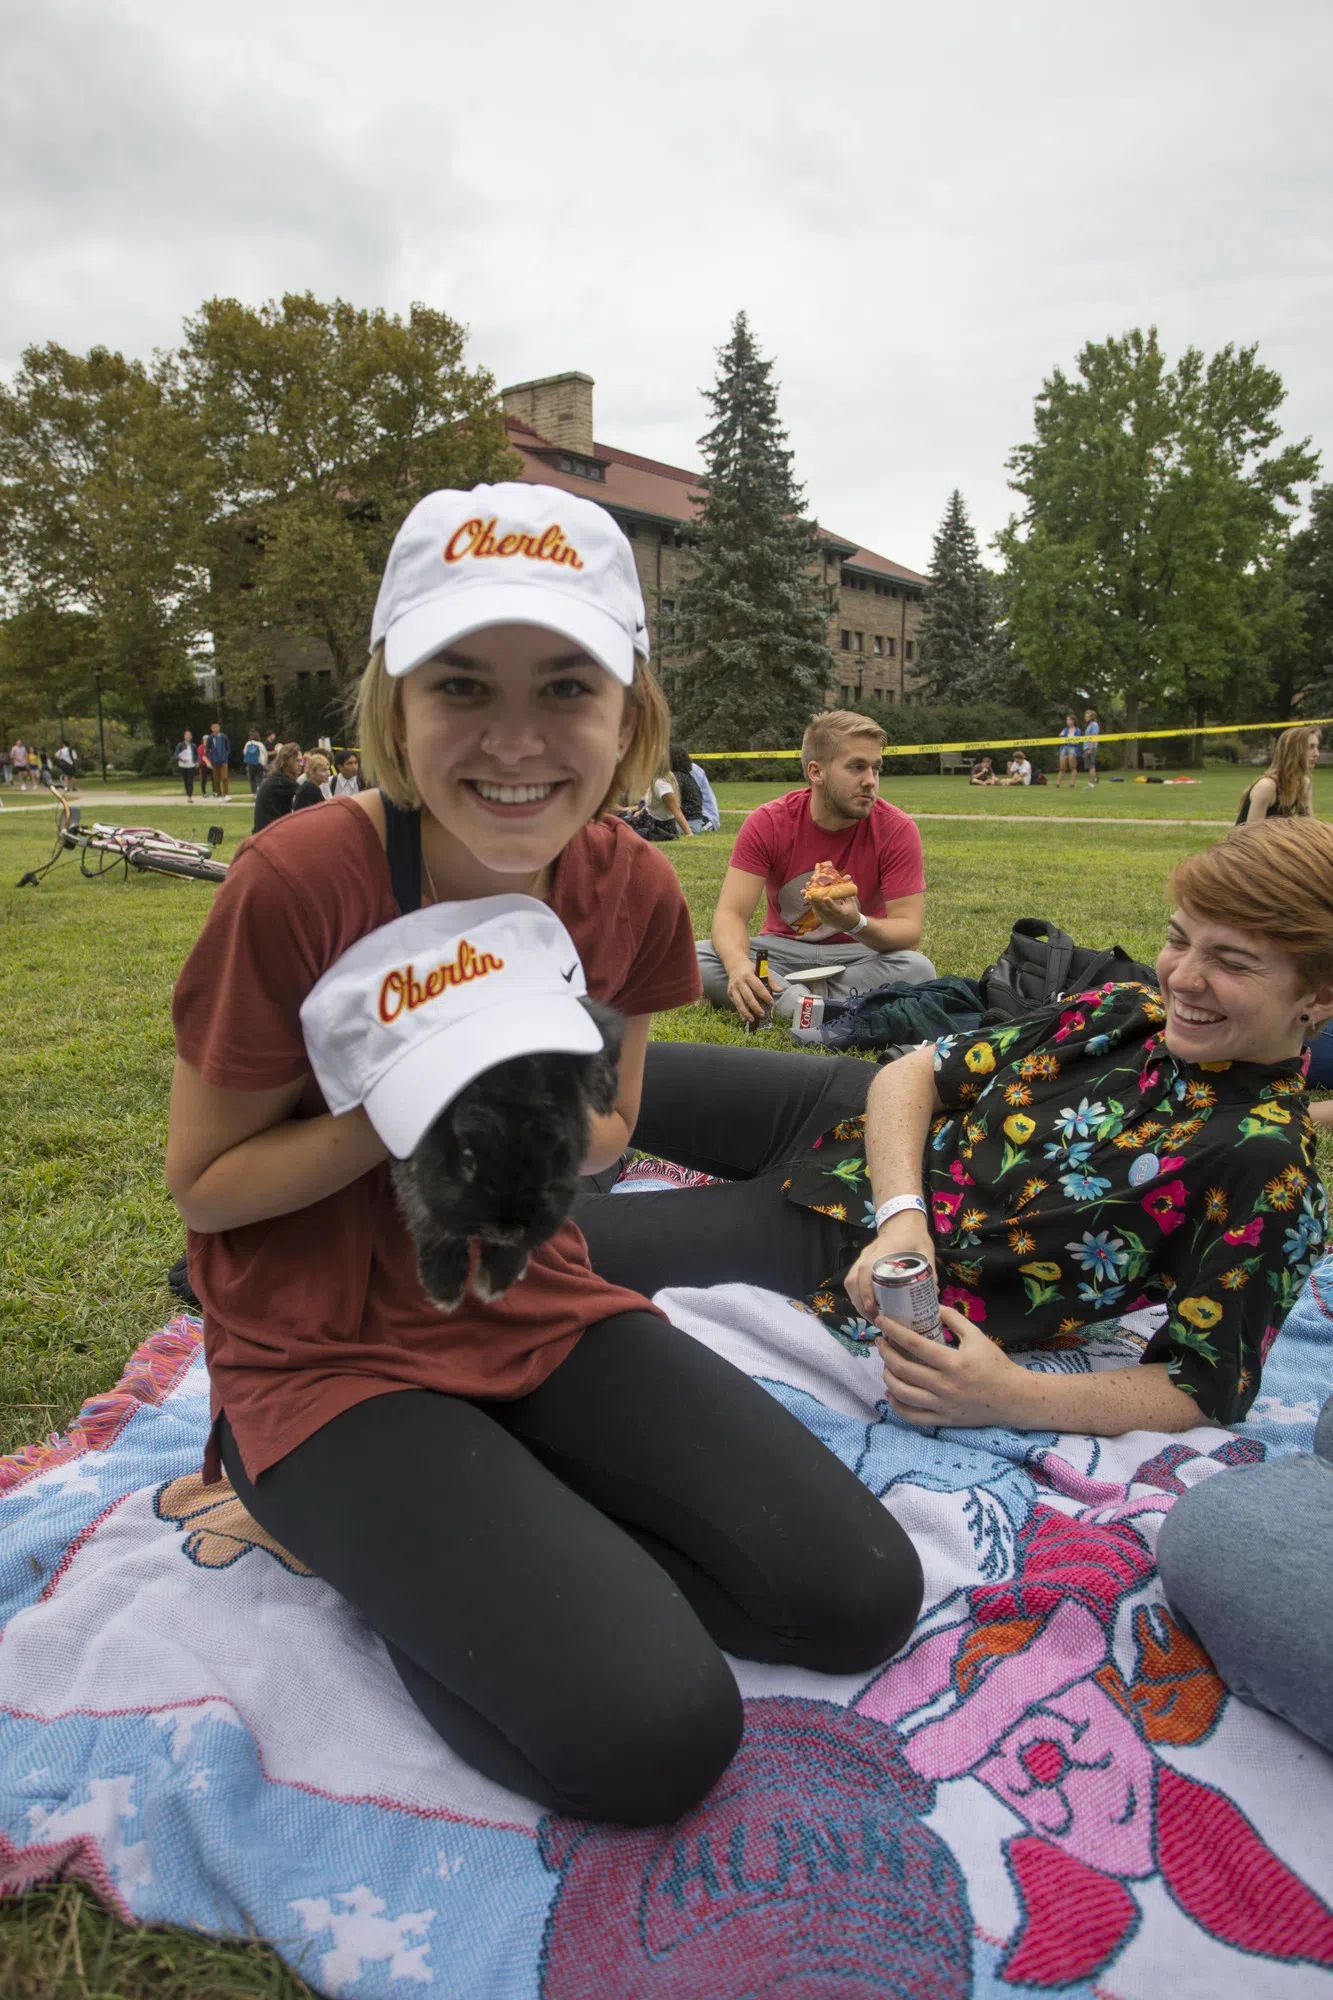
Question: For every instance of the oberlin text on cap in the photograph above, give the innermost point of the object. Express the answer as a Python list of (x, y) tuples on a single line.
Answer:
[(402, 990), (477, 538)]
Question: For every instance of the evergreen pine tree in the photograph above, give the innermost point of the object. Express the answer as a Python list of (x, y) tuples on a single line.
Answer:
[(752, 661), (963, 654)]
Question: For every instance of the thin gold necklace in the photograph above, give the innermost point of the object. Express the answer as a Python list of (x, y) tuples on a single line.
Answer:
[(539, 887)]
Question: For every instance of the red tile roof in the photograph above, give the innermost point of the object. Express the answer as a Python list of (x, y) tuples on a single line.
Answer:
[(662, 492)]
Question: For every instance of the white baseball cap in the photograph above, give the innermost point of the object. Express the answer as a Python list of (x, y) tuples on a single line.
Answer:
[(510, 555), (411, 1013)]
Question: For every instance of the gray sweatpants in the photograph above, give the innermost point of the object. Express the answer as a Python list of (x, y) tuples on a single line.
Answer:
[(1244, 1562), (788, 957)]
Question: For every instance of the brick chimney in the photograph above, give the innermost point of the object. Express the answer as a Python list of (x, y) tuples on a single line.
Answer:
[(558, 407)]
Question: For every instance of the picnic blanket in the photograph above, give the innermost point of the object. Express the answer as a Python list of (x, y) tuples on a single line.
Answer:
[(1049, 1791)]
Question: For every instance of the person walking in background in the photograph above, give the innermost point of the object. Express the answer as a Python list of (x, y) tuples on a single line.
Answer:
[(1286, 790), (277, 795), (711, 815), (217, 750), (186, 759), (67, 766), (255, 758), (314, 786), (1092, 730), (18, 757), (205, 768), (1068, 752), (348, 781)]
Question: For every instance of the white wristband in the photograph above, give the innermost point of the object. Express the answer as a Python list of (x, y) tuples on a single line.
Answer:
[(861, 924), (895, 1206)]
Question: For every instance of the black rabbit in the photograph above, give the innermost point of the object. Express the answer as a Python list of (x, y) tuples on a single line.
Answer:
[(499, 1167)]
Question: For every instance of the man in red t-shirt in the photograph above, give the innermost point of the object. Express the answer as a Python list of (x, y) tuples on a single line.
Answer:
[(841, 819)]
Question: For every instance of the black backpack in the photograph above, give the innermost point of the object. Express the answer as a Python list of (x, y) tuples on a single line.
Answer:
[(1041, 961)]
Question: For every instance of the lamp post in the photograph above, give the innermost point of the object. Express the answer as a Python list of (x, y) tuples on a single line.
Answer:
[(101, 727)]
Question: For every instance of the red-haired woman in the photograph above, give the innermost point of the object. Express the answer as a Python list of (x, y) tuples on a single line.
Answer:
[(1120, 1149)]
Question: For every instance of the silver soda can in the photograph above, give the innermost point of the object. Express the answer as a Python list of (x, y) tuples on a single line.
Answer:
[(904, 1288)]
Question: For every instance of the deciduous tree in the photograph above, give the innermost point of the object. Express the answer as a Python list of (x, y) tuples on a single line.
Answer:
[(1153, 499), (752, 660), (102, 486), (325, 423)]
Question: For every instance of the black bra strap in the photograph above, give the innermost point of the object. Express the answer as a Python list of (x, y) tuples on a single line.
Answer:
[(402, 851)]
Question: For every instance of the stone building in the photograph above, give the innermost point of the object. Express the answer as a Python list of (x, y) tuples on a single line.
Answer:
[(878, 606)]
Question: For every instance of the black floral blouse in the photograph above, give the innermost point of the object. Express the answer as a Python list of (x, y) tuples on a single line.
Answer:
[(1081, 1171)]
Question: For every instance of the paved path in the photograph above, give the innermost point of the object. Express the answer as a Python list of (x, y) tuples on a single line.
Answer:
[(92, 802)]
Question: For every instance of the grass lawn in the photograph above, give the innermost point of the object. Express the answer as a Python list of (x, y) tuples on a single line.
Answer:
[(87, 1229), (1217, 796)]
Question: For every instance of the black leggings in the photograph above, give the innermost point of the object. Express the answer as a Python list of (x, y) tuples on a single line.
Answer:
[(555, 1576), (747, 1115)]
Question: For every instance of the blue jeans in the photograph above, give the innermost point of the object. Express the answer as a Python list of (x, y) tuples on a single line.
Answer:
[(1244, 1562), (1321, 1059)]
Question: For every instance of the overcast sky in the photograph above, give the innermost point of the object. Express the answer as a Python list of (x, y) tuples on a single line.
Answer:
[(923, 209)]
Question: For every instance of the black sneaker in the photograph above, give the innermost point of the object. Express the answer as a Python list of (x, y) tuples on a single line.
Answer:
[(178, 1281)]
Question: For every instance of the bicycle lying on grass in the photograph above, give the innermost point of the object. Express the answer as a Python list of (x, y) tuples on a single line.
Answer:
[(146, 848)]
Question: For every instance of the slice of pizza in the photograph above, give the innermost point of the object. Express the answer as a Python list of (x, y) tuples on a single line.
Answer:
[(828, 884)]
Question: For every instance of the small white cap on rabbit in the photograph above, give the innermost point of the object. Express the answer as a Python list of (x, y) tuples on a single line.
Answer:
[(412, 1012)]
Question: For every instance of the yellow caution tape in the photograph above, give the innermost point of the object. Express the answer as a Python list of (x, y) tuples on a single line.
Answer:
[(1036, 742)]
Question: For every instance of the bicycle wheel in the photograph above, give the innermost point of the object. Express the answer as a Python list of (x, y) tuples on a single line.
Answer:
[(195, 869)]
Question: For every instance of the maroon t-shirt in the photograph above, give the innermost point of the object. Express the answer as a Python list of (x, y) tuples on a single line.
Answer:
[(309, 1313), (780, 841)]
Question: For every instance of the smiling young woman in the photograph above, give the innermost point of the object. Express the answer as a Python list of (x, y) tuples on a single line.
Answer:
[(555, 1509)]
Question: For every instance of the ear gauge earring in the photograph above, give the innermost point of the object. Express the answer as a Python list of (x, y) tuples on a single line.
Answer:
[(1306, 1019)]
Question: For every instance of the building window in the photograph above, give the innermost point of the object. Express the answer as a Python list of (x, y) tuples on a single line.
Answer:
[(845, 579), (907, 649), (582, 468), (860, 642), (846, 642), (889, 645), (303, 680), (844, 695), (324, 677), (631, 529), (890, 695), (269, 702), (668, 628), (877, 644)]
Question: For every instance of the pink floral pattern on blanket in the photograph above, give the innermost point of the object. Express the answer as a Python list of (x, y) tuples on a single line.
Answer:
[(1045, 1720)]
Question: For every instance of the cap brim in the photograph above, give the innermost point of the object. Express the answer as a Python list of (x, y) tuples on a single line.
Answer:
[(429, 1076), (428, 628)]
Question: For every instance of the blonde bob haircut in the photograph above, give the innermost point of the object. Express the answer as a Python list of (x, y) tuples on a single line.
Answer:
[(1274, 878), (826, 734), (377, 719)]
